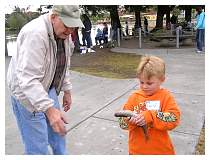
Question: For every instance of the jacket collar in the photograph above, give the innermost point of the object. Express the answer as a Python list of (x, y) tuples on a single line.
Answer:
[(49, 26)]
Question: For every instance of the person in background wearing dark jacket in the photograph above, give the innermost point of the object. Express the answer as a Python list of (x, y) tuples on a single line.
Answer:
[(126, 28), (75, 39), (105, 33), (86, 33), (145, 25), (173, 23)]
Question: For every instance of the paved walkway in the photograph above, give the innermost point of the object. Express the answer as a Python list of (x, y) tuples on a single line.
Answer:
[(94, 129)]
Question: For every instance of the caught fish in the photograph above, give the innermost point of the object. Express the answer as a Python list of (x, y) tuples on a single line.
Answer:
[(128, 113)]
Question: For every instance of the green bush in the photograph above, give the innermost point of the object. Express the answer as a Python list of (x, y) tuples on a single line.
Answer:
[(16, 21)]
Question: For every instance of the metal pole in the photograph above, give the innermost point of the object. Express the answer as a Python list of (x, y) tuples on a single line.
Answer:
[(144, 32), (139, 37), (118, 37), (121, 35), (177, 37), (6, 49), (111, 34)]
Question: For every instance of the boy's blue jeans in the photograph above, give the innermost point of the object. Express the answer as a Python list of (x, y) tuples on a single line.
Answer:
[(36, 131)]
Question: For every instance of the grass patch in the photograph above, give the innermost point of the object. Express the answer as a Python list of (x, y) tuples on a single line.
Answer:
[(106, 64), (200, 147)]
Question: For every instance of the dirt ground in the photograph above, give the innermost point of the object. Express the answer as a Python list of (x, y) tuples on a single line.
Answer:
[(105, 63)]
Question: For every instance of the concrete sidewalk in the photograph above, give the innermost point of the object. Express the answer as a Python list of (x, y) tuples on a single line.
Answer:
[(94, 129)]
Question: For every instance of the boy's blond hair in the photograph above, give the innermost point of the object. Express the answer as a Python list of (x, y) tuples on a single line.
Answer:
[(151, 66)]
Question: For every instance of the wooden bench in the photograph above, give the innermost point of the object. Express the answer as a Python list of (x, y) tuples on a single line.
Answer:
[(173, 36), (166, 40)]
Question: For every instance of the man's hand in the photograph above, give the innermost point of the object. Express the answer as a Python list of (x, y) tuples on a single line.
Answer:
[(56, 120), (67, 100)]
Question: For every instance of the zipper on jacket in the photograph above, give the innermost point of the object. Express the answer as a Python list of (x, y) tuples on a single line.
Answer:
[(54, 53), (55, 60)]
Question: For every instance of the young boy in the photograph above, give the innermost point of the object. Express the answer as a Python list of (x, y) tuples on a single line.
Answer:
[(155, 107)]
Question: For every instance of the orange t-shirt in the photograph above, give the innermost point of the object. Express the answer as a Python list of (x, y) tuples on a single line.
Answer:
[(161, 114)]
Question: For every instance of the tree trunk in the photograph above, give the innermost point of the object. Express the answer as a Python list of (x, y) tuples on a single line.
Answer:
[(188, 13), (160, 14), (168, 19), (138, 19), (115, 20)]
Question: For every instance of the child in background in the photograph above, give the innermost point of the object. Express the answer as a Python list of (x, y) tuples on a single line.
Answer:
[(155, 107), (99, 37), (105, 33)]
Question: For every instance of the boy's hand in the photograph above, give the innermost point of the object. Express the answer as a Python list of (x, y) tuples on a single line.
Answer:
[(138, 120), (132, 119)]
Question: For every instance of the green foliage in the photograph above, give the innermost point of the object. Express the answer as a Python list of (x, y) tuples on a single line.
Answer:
[(96, 12), (16, 21), (99, 17), (18, 18), (176, 11)]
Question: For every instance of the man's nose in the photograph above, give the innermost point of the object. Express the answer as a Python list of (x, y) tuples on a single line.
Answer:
[(69, 31)]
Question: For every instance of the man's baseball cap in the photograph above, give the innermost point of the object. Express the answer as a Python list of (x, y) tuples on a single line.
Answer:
[(69, 14)]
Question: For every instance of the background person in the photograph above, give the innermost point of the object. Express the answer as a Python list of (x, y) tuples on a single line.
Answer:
[(75, 39), (200, 29), (105, 32), (126, 28), (86, 33), (145, 25), (173, 23), (99, 35)]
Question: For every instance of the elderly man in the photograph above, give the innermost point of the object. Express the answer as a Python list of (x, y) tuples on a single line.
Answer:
[(36, 75)]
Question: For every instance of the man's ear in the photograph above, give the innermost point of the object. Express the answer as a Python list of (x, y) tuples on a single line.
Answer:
[(52, 17)]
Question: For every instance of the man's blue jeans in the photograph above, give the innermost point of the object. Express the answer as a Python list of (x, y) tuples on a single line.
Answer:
[(200, 35), (36, 131)]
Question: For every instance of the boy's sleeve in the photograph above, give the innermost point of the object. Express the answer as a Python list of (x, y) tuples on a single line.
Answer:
[(167, 119), (123, 121)]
